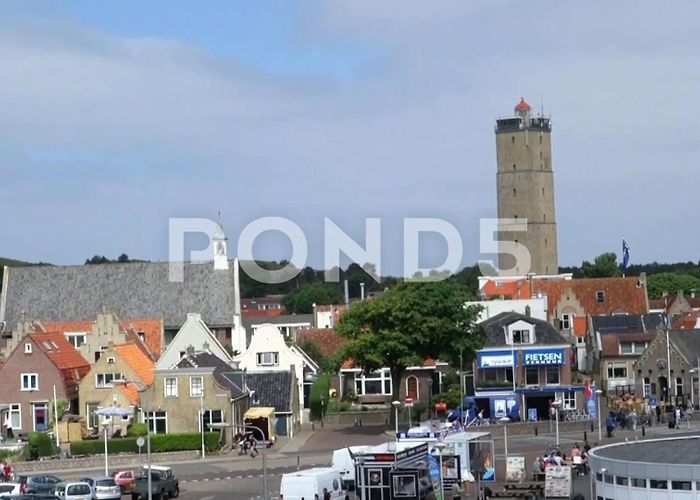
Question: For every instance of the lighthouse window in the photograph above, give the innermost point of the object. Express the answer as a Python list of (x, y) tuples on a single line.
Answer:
[(545, 242), (540, 152), (540, 140), (515, 192), (513, 166), (512, 139), (544, 217), (542, 191)]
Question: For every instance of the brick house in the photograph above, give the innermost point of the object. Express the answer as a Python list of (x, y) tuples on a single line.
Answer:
[(39, 363)]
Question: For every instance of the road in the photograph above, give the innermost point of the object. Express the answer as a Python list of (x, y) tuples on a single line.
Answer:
[(240, 477)]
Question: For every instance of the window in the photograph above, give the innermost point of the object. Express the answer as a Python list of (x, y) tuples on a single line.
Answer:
[(268, 359), (211, 417), (170, 387), (633, 347), (16, 415), (93, 419), (621, 481), (617, 370), (157, 421), (521, 336), (639, 482), (106, 380), (30, 381), (377, 383), (681, 485), (183, 354), (544, 217), (646, 389), (565, 321), (600, 297), (512, 140), (552, 375), (532, 375), (608, 478), (679, 385), (196, 387), (598, 477), (76, 339), (28, 348), (546, 243), (569, 400), (658, 484), (515, 192), (542, 191)]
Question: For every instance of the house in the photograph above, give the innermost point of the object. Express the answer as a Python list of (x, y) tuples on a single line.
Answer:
[(200, 389), (166, 290), (535, 307), (289, 325), (267, 306), (525, 363), (278, 390), (676, 304), (668, 367), (326, 316), (619, 341), (268, 352), (194, 332), (43, 367), (122, 362), (326, 340)]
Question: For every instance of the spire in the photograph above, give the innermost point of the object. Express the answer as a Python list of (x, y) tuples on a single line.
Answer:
[(218, 240)]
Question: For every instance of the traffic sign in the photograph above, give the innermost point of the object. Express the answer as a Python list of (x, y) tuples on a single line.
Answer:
[(408, 401), (140, 441)]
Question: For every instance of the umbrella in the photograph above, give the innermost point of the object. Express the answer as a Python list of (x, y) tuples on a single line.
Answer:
[(113, 411)]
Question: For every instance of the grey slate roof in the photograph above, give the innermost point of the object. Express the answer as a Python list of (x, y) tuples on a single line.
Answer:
[(687, 342), (272, 389), (544, 332), (672, 451), (248, 322), (627, 323), (134, 290), (223, 372)]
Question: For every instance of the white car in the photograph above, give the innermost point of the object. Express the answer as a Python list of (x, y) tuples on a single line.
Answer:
[(103, 487), (7, 489), (73, 491)]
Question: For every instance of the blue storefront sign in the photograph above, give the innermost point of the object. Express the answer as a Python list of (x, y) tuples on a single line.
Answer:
[(543, 357), (495, 359)]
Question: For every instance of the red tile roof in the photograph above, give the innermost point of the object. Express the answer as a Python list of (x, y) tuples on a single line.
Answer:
[(63, 355), (143, 366), (262, 313), (580, 325), (685, 322), (515, 289), (620, 294), (326, 339)]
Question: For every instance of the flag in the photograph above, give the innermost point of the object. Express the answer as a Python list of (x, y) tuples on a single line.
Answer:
[(625, 256)]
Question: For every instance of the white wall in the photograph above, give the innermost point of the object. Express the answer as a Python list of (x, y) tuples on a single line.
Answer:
[(491, 308), (192, 333)]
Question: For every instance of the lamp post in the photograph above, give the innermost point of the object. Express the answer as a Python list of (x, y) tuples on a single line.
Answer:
[(440, 447), (105, 426), (141, 387), (598, 392), (396, 405), (556, 405), (201, 416), (505, 421)]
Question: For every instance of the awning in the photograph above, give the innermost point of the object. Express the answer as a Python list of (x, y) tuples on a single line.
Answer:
[(259, 412)]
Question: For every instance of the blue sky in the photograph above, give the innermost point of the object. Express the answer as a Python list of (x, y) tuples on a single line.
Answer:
[(117, 116)]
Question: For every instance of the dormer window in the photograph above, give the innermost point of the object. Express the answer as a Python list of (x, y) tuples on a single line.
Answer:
[(600, 297), (521, 336), (28, 348)]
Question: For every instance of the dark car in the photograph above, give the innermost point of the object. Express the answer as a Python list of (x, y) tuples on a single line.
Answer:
[(31, 497), (41, 483)]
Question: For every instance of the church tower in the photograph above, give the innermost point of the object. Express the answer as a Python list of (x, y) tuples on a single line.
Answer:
[(525, 183), (219, 242)]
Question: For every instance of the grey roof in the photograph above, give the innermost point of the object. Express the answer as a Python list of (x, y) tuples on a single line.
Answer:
[(272, 389), (134, 290), (545, 333), (627, 323), (224, 373), (687, 342), (671, 451), (277, 320)]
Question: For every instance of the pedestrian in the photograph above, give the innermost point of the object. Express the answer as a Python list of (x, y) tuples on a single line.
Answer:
[(678, 417), (610, 424), (658, 414), (326, 494), (536, 468), (7, 471), (253, 446)]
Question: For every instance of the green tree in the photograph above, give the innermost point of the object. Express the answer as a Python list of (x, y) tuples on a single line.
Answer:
[(604, 266), (407, 324), (315, 353), (657, 284), (302, 300)]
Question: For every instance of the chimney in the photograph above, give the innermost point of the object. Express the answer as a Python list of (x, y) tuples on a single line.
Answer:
[(347, 293), (527, 311), (362, 291), (190, 350), (692, 293), (205, 346)]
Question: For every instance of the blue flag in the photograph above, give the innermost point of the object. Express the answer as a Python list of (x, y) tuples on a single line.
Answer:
[(625, 256)]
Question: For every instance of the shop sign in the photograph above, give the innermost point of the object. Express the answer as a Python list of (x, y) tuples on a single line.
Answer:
[(495, 359), (544, 357)]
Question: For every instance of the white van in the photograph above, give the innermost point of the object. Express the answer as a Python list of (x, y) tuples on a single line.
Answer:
[(312, 484), (343, 461)]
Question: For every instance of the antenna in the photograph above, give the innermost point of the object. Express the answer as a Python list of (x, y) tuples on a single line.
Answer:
[(542, 103)]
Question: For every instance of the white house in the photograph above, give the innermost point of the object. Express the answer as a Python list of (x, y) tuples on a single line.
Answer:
[(268, 352), (192, 333), (535, 307)]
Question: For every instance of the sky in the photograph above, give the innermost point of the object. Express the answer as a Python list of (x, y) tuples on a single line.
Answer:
[(118, 116)]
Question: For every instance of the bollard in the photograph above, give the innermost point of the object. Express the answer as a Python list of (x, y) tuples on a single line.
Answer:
[(313, 425), (592, 429), (535, 431), (585, 436), (644, 431), (298, 462)]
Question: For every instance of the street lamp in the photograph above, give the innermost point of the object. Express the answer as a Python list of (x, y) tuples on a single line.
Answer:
[(201, 416), (598, 392), (141, 387), (440, 447), (556, 405), (224, 425), (396, 405), (105, 426)]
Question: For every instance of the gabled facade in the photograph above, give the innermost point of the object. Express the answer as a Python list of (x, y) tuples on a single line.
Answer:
[(193, 333), (98, 389), (268, 352), (40, 363), (278, 390)]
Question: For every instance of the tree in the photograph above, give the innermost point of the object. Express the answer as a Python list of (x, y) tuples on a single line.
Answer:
[(314, 353), (657, 284), (408, 324), (302, 300), (604, 266)]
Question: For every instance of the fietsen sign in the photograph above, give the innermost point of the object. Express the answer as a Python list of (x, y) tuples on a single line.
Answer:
[(544, 357)]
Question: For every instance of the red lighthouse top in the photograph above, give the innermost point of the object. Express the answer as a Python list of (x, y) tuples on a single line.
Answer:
[(522, 106)]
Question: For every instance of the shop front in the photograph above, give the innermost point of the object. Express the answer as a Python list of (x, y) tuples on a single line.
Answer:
[(494, 394)]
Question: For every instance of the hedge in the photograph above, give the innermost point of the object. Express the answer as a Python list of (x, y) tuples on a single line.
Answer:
[(41, 444), (159, 443), (318, 389)]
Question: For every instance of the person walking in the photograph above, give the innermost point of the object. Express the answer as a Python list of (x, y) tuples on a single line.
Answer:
[(610, 424), (253, 447)]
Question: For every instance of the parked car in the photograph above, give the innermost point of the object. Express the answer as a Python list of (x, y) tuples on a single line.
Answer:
[(7, 489), (41, 483), (312, 483), (31, 496), (73, 491), (125, 479), (103, 488), (163, 483)]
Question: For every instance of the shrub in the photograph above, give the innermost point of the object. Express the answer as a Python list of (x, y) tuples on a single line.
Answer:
[(40, 444), (320, 388), (350, 396), (137, 429), (160, 443), (334, 405), (419, 408)]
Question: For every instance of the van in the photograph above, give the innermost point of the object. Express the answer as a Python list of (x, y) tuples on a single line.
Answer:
[(312, 484), (344, 462)]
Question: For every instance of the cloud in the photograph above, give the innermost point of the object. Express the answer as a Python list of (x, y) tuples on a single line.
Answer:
[(121, 133)]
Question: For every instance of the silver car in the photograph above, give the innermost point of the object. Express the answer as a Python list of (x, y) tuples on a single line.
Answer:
[(103, 488)]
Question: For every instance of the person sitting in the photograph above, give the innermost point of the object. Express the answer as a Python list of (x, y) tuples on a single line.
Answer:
[(575, 451), (537, 468)]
